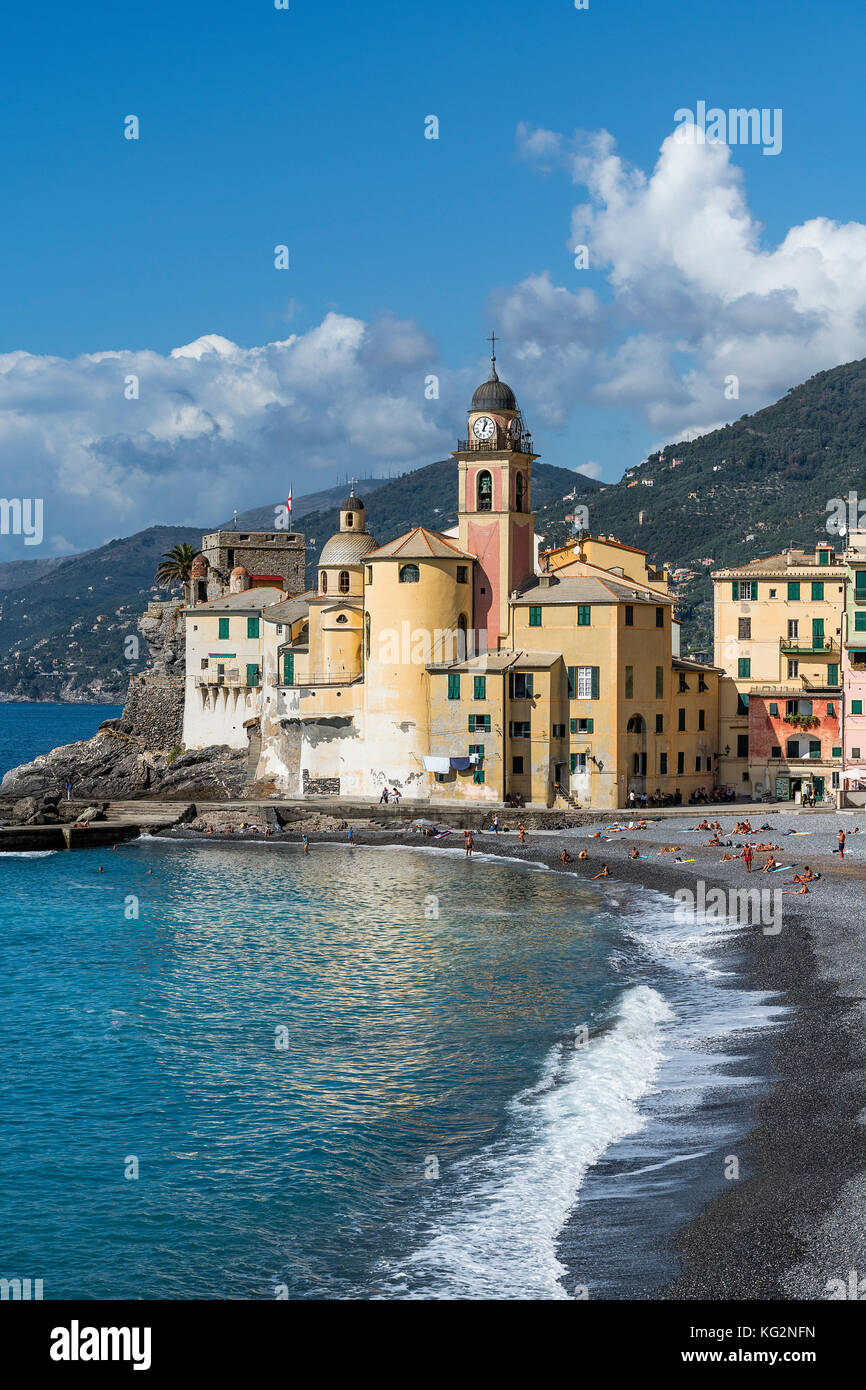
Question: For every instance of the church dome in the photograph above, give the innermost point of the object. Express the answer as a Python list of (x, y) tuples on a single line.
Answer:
[(352, 504), (493, 394), (347, 548)]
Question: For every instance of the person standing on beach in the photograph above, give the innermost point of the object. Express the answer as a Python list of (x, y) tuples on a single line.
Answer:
[(306, 842), (495, 826), (747, 858), (68, 790), (840, 838), (522, 832)]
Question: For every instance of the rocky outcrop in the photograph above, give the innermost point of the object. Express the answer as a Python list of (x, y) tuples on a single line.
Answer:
[(115, 765), (162, 628), (140, 753)]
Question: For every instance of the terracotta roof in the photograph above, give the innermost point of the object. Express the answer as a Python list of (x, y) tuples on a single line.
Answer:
[(420, 544)]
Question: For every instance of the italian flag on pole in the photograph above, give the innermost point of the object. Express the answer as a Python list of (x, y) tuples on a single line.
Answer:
[(289, 502)]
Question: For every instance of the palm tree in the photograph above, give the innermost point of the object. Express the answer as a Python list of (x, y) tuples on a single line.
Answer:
[(175, 567)]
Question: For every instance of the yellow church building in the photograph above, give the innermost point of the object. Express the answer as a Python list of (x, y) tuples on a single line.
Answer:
[(453, 668)]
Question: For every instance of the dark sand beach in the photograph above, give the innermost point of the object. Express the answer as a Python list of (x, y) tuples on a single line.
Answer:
[(796, 1220)]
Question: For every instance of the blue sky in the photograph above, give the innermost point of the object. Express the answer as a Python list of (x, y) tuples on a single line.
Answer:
[(306, 127)]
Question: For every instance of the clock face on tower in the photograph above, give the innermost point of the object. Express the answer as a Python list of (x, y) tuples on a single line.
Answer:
[(484, 427), (515, 428)]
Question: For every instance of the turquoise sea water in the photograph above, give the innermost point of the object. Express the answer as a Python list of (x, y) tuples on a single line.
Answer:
[(363, 1073), (27, 730)]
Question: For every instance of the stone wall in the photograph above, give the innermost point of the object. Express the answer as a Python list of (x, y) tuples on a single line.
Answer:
[(321, 786), (154, 711)]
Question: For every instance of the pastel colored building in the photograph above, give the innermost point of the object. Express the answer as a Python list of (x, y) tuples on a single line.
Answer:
[(456, 667), (854, 669), (778, 638)]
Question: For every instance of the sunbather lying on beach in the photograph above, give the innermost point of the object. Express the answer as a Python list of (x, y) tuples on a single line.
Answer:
[(670, 849), (605, 872), (730, 856)]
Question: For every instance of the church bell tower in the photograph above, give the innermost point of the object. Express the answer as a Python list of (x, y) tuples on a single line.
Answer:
[(496, 521)]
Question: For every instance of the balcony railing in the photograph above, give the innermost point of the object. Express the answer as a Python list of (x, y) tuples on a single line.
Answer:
[(232, 677), (520, 445), (806, 644), (319, 678)]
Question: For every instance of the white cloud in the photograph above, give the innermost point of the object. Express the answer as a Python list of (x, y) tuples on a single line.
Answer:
[(693, 295), (216, 426), (591, 469)]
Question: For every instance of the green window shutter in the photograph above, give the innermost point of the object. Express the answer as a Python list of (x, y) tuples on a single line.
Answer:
[(528, 685), (480, 688), (224, 628), (793, 589), (818, 588), (453, 686), (735, 589), (253, 626), (814, 748), (817, 627), (589, 726), (856, 706), (860, 622), (837, 751), (860, 583), (833, 673), (252, 673), (288, 668), (754, 588), (774, 709), (594, 694), (573, 725), (583, 615), (572, 682), (823, 557), (572, 762), (660, 682), (744, 668), (534, 615)]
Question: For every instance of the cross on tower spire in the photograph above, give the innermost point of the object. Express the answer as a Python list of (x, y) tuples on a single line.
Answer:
[(492, 341)]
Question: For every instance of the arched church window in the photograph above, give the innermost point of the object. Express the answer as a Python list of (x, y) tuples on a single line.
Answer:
[(409, 574), (344, 581), (350, 518), (324, 581), (485, 491), (519, 488)]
